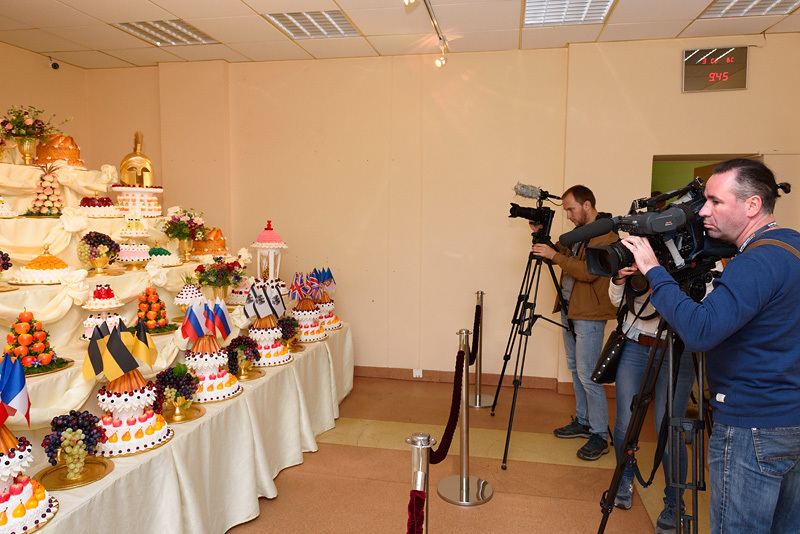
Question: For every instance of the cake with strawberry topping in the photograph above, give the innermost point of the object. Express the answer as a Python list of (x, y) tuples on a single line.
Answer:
[(266, 333), (307, 315), (129, 421), (99, 207), (24, 503), (47, 201), (209, 363), (327, 319), (103, 298)]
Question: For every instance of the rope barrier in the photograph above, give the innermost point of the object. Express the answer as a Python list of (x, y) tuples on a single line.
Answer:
[(416, 512), (476, 329), (444, 446)]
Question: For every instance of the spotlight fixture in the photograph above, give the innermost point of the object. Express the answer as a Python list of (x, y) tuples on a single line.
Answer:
[(441, 61), (409, 2)]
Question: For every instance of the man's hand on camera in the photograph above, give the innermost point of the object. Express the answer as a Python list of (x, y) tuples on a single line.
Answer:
[(544, 251), (623, 274), (534, 226), (642, 252)]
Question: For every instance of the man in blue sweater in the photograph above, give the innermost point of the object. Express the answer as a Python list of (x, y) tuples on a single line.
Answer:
[(749, 327)]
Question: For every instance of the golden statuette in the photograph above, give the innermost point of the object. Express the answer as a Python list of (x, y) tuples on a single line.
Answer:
[(136, 169)]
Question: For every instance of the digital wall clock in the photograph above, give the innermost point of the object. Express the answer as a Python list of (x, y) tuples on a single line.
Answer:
[(714, 69)]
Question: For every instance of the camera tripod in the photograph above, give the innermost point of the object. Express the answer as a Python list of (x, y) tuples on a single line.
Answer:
[(673, 433), (524, 318)]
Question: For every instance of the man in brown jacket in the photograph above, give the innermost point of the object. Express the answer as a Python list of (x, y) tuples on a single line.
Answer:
[(589, 307)]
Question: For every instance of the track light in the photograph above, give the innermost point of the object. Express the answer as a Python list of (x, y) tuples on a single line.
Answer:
[(409, 2), (441, 61)]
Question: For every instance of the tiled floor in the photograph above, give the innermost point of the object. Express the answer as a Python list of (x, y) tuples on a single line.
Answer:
[(359, 480)]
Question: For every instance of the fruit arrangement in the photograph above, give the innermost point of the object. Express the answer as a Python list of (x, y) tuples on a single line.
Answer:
[(47, 195), (5, 262), (76, 435), (154, 312), (95, 245), (240, 350), (30, 343), (177, 385), (288, 326)]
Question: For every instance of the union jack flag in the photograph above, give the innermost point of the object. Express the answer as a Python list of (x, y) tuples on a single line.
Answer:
[(314, 289), (296, 289)]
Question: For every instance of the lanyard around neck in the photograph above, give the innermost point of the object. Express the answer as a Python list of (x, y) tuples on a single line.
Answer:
[(757, 233)]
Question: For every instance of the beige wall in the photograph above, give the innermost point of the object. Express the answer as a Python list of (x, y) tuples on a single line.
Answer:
[(398, 175)]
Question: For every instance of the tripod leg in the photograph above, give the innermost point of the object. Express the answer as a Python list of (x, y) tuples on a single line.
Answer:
[(517, 382)]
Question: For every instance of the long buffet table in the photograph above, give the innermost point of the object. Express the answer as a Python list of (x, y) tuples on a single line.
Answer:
[(209, 477)]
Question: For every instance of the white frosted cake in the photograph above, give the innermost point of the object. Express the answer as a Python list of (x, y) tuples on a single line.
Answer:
[(142, 198), (111, 320), (327, 319), (130, 423), (103, 298), (163, 257), (134, 252), (266, 333), (209, 363), (44, 269), (309, 327), (188, 295), (24, 503), (5, 210), (133, 228), (238, 295), (99, 207)]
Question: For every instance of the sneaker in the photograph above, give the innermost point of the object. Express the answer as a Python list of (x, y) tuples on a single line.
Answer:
[(573, 430), (624, 498), (596, 447), (666, 521)]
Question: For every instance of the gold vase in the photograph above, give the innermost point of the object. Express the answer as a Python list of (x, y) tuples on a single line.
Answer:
[(220, 292), (186, 247), (27, 148), (99, 264)]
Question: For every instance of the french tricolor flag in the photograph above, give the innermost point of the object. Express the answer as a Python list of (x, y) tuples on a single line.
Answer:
[(192, 328), (13, 391)]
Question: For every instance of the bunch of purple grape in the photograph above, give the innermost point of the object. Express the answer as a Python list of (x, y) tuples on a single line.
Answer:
[(180, 383), (94, 245), (74, 420), (5, 261), (241, 349), (288, 326)]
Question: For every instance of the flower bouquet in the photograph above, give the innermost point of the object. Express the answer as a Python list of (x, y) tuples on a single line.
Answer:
[(27, 122), (97, 249), (184, 224), (220, 273)]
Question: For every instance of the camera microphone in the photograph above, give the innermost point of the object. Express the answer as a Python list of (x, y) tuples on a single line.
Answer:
[(587, 231), (527, 191)]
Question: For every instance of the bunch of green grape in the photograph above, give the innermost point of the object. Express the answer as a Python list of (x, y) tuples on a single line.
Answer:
[(74, 451), (170, 394)]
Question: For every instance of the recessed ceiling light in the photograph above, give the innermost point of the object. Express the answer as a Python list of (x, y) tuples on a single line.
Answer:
[(166, 32), (749, 8), (313, 24), (565, 12)]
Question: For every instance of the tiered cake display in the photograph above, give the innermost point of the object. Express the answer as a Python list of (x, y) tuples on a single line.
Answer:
[(24, 504), (307, 315), (103, 300), (134, 254), (238, 295), (266, 333), (131, 424), (143, 199), (268, 246), (206, 359), (44, 269), (47, 201)]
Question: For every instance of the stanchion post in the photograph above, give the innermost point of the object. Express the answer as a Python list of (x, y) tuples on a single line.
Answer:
[(463, 489), (421, 443), (480, 400)]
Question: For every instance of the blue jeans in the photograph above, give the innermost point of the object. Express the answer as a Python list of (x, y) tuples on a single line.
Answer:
[(755, 479), (582, 352), (630, 373)]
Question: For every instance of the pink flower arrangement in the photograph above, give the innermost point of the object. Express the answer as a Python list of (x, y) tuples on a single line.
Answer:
[(27, 122)]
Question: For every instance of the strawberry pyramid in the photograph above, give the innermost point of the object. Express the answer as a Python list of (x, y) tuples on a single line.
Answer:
[(47, 195), (153, 310), (29, 342)]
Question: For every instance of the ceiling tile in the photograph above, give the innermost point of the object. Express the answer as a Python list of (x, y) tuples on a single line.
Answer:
[(400, 45), (481, 41), (626, 11), (789, 24), (145, 57), (373, 4), (250, 29), (271, 51), (207, 52), (290, 6), (730, 26), (124, 11), (45, 13), (98, 37), (201, 9), (643, 30), (475, 17), (38, 40), (338, 47), (555, 36), (7, 23), (391, 21), (89, 59)]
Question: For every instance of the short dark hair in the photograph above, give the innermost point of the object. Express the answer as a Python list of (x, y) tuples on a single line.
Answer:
[(752, 178), (581, 193)]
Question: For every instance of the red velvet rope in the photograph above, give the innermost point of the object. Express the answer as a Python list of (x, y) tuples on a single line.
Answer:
[(444, 446), (416, 512), (476, 329)]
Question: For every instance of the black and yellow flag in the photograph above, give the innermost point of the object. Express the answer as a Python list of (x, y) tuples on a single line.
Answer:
[(143, 347), (117, 359), (93, 364)]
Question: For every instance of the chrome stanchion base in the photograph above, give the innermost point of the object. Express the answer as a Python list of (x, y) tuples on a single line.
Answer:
[(480, 401), (478, 491)]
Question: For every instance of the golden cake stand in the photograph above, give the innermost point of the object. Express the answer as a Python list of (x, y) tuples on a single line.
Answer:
[(54, 478), (249, 374), (5, 288), (173, 416)]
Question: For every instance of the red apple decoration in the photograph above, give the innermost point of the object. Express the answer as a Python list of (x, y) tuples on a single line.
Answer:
[(46, 358), (20, 351), (38, 347), (5, 496), (15, 489), (26, 316), (25, 339), (37, 325), (150, 290), (143, 307), (40, 336), (27, 361), (142, 298), (152, 298), (22, 328), (151, 315), (155, 307), (150, 324), (11, 338)]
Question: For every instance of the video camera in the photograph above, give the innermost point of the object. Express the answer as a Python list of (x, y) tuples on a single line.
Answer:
[(675, 233), (540, 215)]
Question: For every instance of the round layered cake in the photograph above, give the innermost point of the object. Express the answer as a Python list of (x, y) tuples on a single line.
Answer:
[(188, 295), (111, 321), (307, 315), (327, 319), (135, 252), (59, 148), (133, 228), (99, 207), (142, 198), (209, 363), (238, 295), (103, 298), (266, 333), (44, 269), (163, 257), (5, 210), (213, 243)]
